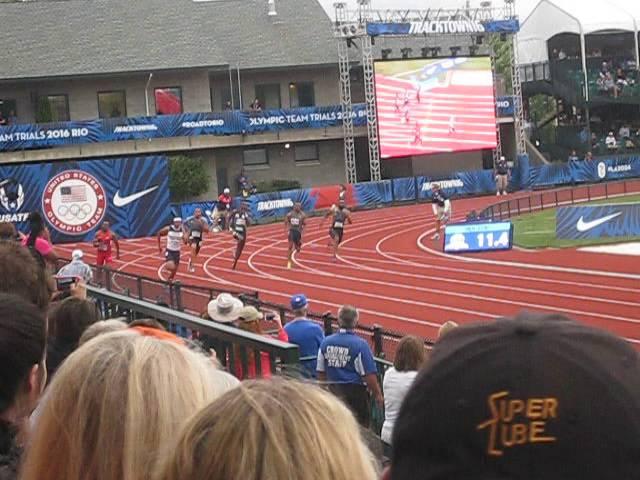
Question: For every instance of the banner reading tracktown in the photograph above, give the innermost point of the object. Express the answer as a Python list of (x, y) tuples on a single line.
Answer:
[(31, 136), (621, 220), (440, 27)]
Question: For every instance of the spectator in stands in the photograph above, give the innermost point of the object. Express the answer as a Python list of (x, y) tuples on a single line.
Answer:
[(561, 54), (280, 430), (346, 362), (249, 320), (621, 80), (446, 327), (20, 274), (588, 157), (22, 375), (611, 142), (306, 334), (115, 404), (610, 85), (256, 106), (8, 232), (77, 268), (228, 106), (3, 121), (38, 241), (624, 133), (410, 357), (604, 70), (487, 407), (224, 308), (573, 157), (12, 119), (100, 328), (68, 320)]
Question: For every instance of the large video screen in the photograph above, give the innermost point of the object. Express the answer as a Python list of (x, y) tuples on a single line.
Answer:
[(435, 105)]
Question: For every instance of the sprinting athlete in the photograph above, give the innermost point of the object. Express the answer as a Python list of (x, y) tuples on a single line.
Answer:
[(102, 242), (175, 239), (194, 228), (294, 224), (223, 207), (239, 221), (342, 197), (441, 208), (340, 216)]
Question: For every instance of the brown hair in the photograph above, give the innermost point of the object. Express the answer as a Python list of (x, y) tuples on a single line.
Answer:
[(410, 354), (275, 429), (20, 274), (69, 319), (7, 231), (114, 403)]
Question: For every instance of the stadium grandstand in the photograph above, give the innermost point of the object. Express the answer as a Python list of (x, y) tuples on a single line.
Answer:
[(318, 240)]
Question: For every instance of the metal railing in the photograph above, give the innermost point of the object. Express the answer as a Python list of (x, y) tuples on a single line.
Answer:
[(538, 201)]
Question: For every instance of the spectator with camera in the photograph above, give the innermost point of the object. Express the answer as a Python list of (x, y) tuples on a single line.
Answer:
[(308, 335), (346, 363), (77, 268), (22, 375)]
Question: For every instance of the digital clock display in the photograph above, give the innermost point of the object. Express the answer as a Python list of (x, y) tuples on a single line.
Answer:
[(478, 237)]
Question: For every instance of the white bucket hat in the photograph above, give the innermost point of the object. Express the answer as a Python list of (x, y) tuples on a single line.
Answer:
[(224, 308)]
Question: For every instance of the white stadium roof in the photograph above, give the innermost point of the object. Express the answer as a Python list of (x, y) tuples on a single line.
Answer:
[(582, 17)]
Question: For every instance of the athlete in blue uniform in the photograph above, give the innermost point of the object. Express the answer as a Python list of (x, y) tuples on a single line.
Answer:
[(194, 228), (294, 224), (239, 221), (175, 239), (339, 217), (441, 208)]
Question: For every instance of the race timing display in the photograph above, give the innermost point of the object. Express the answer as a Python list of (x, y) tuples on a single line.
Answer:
[(478, 237)]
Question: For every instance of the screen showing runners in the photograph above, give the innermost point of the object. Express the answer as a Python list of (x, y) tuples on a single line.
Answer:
[(435, 105)]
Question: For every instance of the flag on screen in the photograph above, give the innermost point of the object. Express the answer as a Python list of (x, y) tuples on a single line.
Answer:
[(74, 193)]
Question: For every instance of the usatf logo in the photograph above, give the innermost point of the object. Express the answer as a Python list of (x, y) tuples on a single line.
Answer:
[(517, 422), (74, 202), (12, 200)]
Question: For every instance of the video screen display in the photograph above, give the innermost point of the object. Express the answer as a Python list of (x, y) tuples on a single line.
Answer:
[(435, 105)]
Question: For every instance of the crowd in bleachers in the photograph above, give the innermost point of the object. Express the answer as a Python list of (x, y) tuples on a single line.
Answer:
[(88, 399)]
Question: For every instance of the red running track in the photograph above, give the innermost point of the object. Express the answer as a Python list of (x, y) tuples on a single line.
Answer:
[(400, 279)]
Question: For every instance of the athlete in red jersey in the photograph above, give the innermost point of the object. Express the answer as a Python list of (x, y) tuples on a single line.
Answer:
[(102, 241)]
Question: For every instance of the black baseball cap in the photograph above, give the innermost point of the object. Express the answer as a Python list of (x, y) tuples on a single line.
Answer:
[(533, 397)]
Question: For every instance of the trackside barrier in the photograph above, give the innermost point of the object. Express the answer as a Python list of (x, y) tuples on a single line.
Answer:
[(231, 345), (273, 205), (537, 201)]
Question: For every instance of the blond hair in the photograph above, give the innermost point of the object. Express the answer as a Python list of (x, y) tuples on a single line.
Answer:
[(275, 429), (446, 328), (113, 405)]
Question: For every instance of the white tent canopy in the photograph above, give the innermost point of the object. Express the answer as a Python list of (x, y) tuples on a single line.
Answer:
[(582, 17)]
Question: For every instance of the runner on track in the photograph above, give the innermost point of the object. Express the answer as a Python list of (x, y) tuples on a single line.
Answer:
[(194, 228), (239, 221), (441, 208), (342, 197), (294, 224), (102, 242), (340, 216), (175, 239)]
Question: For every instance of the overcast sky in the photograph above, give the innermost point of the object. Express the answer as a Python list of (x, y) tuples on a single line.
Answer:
[(523, 6)]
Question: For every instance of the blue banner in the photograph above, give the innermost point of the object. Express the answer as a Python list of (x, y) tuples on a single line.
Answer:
[(502, 26), (582, 172), (76, 197), (24, 137), (460, 183), (451, 27), (619, 220)]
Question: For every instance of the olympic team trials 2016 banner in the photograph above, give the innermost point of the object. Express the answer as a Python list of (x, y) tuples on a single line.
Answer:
[(76, 197), (435, 105)]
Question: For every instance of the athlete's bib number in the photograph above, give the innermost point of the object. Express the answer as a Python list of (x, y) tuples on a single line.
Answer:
[(240, 222), (103, 247), (338, 225), (295, 221), (196, 234)]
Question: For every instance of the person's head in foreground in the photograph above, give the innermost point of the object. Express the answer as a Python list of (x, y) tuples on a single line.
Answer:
[(274, 429), (446, 327), (21, 275), (535, 397), (348, 317), (23, 335), (115, 403)]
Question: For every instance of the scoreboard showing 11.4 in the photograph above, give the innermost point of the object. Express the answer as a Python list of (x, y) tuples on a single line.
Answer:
[(478, 237)]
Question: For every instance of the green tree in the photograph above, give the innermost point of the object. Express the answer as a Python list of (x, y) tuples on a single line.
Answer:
[(502, 51), (188, 178)]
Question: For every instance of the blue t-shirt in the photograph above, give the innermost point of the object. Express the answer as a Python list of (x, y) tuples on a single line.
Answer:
[(346, 358), (308, 336)]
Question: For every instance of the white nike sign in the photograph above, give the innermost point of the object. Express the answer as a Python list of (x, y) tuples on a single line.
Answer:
[(583, 226), (119, 201)]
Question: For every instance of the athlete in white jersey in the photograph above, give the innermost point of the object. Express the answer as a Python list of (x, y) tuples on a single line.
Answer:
[(175, 238)]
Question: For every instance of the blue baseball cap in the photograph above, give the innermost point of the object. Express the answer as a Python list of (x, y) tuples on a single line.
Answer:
[(298, 301)]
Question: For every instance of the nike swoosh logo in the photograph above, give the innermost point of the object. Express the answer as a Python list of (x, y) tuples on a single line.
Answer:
[(119, 201), (583, 226)]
